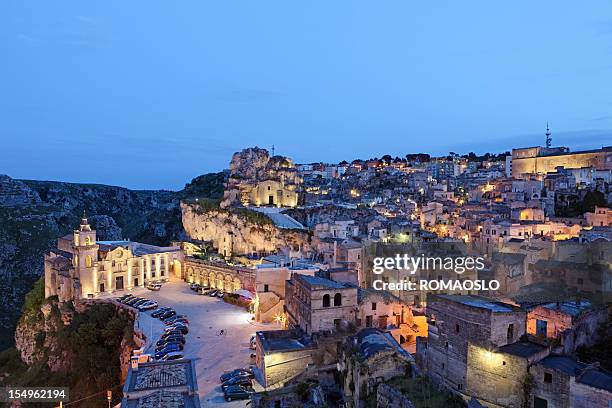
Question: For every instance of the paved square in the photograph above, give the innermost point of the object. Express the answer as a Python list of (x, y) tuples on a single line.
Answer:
[(213, 354)]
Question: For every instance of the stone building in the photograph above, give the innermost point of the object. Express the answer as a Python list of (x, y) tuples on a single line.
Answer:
[(368, 359), (161, 384), (282, 355), (219, 275), (497, 376), (82, 267), (258, 179), (601, 217), (571, 323), (563, 382), (316, 304), (458, 322), (382, 310), (270, 287), (530, 161)]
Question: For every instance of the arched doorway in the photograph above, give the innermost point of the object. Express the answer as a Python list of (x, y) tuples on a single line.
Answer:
[(237, 284), (177, 268), (204, 278), (229, 283), (212, 280), (220, 282), (189, 274)]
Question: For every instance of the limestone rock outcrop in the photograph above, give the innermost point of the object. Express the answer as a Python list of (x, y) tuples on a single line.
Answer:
[(239, 231), (253, 166)]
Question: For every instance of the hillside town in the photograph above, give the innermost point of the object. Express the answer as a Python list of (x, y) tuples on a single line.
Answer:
[(272, 298)]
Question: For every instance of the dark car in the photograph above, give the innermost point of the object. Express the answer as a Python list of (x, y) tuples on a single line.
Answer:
[(172, 343), (175, 317), (168, 349), (137, 302), (236, 393), (167, 314), (182, 321), (160, 311), (171, 339), (213, 293), (123, 298), (243, 380), (178, 328), (170, 333), (246, 372), (132, 300)]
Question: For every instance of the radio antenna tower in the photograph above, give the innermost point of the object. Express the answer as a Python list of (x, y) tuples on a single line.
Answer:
[(548, 138)]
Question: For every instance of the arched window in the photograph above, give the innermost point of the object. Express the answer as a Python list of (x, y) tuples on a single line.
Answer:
[(326, 300), (87, 241), (337, 299), (88, 261)]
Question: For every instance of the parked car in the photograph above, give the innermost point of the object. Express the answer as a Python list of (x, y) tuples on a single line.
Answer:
[(179, 328), (147, 305), (213, 292), (175, 355), (194, 286), (202, 290), (178, 316), (184, 322), (174, 343), (237, 372), (133, 300), (170, 333), (175, 318), (160, 311), (220, 294), (243, 380), (169, 348), (171, 339), (140, 302), (154, 286), (167, 314), (236, 393), (123, 298)]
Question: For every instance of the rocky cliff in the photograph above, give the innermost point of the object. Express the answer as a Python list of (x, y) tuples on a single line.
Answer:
[(244, 231), (84, 346), (33, 214)]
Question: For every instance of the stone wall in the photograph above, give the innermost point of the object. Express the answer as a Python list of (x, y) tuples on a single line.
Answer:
[(495, 377), (218, 275), (389, 397), (545, 164), (457, 325)]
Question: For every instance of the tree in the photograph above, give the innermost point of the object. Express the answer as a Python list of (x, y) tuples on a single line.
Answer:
[(593, 199)]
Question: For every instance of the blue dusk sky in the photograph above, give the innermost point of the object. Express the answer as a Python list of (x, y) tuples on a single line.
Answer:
[(149, 94)]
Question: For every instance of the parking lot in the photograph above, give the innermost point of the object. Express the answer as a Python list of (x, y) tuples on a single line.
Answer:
[(213, 354)]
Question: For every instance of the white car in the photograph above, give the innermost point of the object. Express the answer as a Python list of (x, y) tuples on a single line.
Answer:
[(148, 306)]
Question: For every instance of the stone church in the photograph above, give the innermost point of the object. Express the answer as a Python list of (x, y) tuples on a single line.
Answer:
[(82, 267)]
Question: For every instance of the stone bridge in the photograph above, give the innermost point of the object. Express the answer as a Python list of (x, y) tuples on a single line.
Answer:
[(219, 276)]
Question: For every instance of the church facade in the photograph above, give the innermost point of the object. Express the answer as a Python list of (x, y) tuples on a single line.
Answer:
[(82, 267)]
